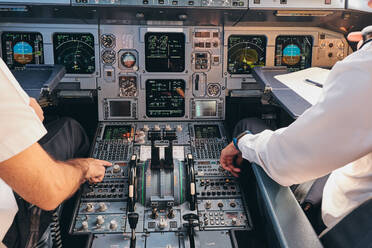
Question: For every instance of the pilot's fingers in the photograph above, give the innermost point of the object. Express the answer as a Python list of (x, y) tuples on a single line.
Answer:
[(355, 36), (102, 162), (370, 3)]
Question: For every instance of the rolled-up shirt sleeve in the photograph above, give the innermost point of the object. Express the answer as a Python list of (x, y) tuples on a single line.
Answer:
[(332, 133), (19, 125)]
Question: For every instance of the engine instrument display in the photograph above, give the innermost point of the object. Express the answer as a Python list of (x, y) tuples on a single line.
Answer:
[(165, 52), (207, 131), (165, 97), (75, 51), (295, 52), (117, 132), (20, 49), (245, 52)]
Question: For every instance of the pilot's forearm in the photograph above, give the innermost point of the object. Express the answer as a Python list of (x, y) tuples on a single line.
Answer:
[(35, 176), (331, 134)]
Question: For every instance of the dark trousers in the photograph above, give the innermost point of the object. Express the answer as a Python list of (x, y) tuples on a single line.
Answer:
[(66, 139)]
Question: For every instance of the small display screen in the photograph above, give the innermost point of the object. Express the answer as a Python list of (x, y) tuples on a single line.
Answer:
[(120, 108), (165, 52), (207, 131), (19, 49), (295, 52), (117, 132), (245, 52), (165, 97), (205, 108), (75, 51)]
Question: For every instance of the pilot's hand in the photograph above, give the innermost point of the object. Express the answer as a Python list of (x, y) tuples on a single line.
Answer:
[(230, 159), (39, 112), (93, 169)]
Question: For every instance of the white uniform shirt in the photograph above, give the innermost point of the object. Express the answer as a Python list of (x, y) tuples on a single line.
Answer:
[(19, 129), (333, 135)]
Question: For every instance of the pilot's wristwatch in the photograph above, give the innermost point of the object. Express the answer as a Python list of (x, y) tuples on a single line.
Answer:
[(237, 138)]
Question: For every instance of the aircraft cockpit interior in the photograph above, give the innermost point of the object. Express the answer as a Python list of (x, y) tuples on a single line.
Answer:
[(158, 86)]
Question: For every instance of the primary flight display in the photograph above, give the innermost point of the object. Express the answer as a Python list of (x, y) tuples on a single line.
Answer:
[(295, 52), (21, 48)]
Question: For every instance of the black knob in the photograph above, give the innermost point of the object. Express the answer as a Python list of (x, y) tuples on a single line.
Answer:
[(133, 220)]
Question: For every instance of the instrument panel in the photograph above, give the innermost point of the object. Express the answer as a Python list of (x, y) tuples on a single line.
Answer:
[(209, 60), (294, 52), (75, 51), (21, 48), (245, 52)]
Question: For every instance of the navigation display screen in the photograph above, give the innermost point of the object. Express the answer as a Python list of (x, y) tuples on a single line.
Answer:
[(245, 52), (19, 49), (165, 97), (207, 131), (117, 132), (120, 108), (295, 52), (165, 52), (75, 51), (205, 108)]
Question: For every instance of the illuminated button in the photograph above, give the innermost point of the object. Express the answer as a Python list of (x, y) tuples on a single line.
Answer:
[(161, 1), (113, 225), (340, 45), (191, 2), (116, 168), (233, 221), (340, 55), (89, 207), (162, 223), (174, 2), (100, 220), (146, 128), (84, 225), (168, 128), (179, 128), (102, 207), (145, 2), (157, 128), (208, 204)]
